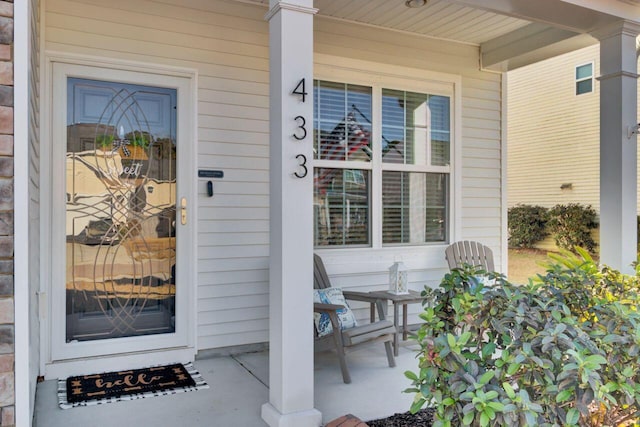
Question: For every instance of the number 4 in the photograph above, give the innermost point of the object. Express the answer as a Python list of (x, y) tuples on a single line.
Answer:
[(301, 90)]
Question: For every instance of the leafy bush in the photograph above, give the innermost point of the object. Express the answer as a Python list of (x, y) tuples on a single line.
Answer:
[(527, 225), (571, 225), (559, 351)]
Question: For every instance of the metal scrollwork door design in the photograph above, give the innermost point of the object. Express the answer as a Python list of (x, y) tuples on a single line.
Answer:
[(120, 210)]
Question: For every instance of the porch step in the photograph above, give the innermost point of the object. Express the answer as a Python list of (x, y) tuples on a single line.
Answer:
[(347, 421)]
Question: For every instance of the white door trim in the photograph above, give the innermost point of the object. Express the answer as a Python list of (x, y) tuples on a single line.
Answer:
[(24, 329), (74, 355)]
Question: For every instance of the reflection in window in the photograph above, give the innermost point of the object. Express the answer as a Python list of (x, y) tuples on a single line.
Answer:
[(440, 132), (413, 123), (342, 125), (341, 207), (120, 212)]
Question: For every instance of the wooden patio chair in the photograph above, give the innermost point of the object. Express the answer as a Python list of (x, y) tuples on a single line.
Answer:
[(469, 252), (344, 340)]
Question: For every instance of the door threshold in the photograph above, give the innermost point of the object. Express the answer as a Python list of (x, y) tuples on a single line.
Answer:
[(144, 359)]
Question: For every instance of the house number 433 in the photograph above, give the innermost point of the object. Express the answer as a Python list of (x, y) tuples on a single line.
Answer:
[(301, 130)]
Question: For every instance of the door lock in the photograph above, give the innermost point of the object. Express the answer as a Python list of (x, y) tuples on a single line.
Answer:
[(183, 211)]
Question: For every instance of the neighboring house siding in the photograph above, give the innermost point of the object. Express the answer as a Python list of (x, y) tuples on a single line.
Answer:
[(7, 313), (34, 200), (554, 135), (228, 44)]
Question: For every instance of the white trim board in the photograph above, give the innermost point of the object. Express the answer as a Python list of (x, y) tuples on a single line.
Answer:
[(22, 51)]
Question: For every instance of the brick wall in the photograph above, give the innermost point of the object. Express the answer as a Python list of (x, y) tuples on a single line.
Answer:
[(7, 358)]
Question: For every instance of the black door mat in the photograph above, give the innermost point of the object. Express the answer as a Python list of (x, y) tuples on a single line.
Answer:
[(134, 384)]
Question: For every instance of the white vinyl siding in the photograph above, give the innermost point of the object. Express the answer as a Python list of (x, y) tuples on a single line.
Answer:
[(227, 42)]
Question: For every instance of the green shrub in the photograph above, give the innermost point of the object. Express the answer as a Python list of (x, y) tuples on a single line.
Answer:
[(570, 226), (562, 350), (527, 225)]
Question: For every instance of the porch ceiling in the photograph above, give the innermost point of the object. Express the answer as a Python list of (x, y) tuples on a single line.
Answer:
[(439, 18), (509, 33)]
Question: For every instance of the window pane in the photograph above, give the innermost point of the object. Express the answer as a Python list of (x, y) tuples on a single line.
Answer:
[(342, 121), (584, 86), (584, 71), (409, 121), (440, 130), (393, 126), (414, 207), (404, 127), (120, 210), (341, 207)]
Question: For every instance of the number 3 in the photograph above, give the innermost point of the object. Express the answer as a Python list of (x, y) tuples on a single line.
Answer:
[(302, 165), (304, 130)]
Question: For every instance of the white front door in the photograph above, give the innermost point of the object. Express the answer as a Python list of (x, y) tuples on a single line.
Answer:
[(122, 226)]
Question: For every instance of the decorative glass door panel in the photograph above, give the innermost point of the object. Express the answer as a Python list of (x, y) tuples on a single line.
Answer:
[(120, 210)]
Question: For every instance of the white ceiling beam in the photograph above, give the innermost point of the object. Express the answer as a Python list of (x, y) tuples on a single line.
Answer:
[(627, 9), (530, 44), (556, 13)]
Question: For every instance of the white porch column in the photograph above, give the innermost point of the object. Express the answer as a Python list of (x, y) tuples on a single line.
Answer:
[(291, 216), (618, 151)]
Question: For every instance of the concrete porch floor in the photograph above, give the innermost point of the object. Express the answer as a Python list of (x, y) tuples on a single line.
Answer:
[(239, 387)]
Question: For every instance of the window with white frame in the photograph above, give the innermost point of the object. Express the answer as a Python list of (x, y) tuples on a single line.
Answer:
[(382, 165), (584, 78)]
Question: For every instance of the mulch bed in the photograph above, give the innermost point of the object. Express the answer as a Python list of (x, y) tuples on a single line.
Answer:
[(422, 418)]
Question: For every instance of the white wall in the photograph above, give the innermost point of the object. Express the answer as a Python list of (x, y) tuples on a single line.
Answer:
[(227, 43)]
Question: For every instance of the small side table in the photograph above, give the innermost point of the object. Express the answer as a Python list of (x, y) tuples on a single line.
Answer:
[(413, 297)]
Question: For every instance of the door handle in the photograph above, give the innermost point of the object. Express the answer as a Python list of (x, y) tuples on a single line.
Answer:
[(183, 211)]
